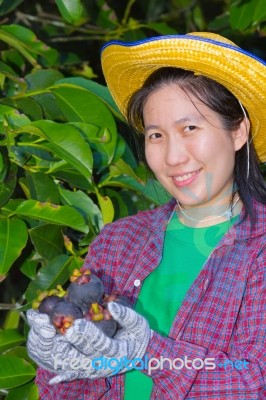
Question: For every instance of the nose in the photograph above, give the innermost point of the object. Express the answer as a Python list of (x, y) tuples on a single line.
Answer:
[(176, 152)]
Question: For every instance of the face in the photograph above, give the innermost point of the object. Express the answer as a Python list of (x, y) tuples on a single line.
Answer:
[(187, 148)]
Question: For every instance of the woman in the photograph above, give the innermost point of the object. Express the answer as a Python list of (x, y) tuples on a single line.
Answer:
[(195, 268)]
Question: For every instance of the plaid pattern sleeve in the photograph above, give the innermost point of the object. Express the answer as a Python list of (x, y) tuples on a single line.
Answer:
[(76, 390), (222, 318)]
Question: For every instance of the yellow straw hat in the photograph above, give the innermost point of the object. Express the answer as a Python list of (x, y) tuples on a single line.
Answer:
[(127, 65)]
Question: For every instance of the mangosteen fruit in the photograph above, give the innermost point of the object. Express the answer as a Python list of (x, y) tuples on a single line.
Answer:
[(85, 289), (48, 304), (117, 299), (43, 304), (102, 318), (64, 314)]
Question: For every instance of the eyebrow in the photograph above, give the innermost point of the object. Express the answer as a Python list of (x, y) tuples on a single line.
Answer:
[(177, 122)]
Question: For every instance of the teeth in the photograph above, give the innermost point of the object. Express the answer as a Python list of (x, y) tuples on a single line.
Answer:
[(184, 177)]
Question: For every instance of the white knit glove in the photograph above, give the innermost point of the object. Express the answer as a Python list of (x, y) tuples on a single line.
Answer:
[(48, 349), (91, 343), (40, 339)]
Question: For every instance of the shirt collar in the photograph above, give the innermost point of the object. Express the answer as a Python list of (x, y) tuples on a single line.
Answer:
[(162, 214)]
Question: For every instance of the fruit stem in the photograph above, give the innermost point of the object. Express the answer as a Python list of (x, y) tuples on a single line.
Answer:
[(61, 291), (97, 314)]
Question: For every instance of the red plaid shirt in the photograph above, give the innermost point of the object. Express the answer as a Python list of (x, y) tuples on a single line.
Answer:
[(223, 315)]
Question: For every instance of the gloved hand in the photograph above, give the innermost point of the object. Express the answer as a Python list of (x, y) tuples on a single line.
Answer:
[(40, 339), (90, 342), (49, 350)]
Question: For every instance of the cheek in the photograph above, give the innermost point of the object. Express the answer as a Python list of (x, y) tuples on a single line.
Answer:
[(217, 152)]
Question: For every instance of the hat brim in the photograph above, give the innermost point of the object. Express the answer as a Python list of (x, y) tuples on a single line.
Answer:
[(127, 65)]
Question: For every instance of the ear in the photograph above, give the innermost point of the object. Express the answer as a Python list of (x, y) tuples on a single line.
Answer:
[(240, 135)]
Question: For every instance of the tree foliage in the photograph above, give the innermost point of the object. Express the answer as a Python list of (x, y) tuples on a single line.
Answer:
[(66, 161)]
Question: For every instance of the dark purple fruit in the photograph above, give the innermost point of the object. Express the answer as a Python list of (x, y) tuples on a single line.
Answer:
[(101, 317), (109, 327), (85, 289), (117, 299), (48, 304), (64, 315)]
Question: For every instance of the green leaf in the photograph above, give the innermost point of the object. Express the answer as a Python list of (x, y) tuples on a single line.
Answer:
[(76, 262), (81, 105), (120, 148), (20, 352), (154, 8), (11, 320), (42, 187), (55, 272), (42, 79), (34, 156), (106, 17), (29, 391), (84, 204), (14, 372), (47, 240), (123, 181), (259, 10), (101, 91), (33, 393), (6, 6), (50, 107), (154, 191), (11, 206), (10, 338), (246, 14), (106, 207), (121, 167), (101, 139), (120, 206), (72, 11), (2, 165), (15, 120), (198, 18), (67, 142), (28, 268), (151, 190), (93, 133), (4, 109), (74, 179), (13, 239), (162, 28), (7, 187), (29, 107), (54, 214), (219, 23), (26, 42), (9, 72), (13, 57)]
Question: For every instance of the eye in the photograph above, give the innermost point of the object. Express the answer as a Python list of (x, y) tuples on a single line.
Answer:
[(190, 128), (155, 135)]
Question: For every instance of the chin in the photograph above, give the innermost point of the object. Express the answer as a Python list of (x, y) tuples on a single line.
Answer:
[(187, 201)]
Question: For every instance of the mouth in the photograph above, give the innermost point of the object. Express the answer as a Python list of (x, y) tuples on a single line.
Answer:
[(185, 179)]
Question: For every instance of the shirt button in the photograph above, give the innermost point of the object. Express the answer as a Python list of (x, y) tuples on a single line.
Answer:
[(136, 282), (206, 283)]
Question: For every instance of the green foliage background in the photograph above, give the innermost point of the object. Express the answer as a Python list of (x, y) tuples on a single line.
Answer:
[(68, 164)]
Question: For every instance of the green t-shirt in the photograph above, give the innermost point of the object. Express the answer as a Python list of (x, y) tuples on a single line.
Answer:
[(184, 253)]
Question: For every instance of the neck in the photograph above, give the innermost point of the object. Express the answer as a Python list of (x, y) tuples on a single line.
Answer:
[(208, 215)]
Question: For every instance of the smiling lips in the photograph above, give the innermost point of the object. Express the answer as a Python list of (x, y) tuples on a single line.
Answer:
[(185, 179)]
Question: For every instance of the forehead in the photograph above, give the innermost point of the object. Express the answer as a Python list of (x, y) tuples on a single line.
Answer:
[(172, 99)]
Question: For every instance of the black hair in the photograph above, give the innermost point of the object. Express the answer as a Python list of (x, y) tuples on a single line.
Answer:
[(227, 107)]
